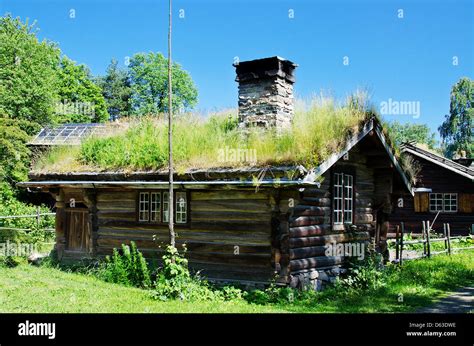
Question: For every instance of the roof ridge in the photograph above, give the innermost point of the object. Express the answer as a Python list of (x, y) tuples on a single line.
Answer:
[(437, 157)]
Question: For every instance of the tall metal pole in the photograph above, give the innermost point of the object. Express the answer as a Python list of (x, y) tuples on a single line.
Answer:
[(170, 138)]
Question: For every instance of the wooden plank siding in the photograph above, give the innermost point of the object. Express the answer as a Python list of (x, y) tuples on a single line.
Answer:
[(416, 209), (228, 236)]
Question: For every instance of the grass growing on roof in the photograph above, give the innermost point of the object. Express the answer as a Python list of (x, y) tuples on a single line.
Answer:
[(318, 130)]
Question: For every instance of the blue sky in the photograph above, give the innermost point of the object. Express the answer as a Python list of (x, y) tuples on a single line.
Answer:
[(403, 59)]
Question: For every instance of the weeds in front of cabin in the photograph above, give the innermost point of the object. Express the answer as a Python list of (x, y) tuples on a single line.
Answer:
[(391, 289), (128, 267)]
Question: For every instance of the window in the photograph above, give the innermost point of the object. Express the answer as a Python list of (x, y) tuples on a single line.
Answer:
[(143, 206), (436, 202), (154, 207), (444, 202), (181, 207), (343, 198), (166, 207)]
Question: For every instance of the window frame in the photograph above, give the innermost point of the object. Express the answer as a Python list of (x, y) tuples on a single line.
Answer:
[(343, 199), (163, 202), (443, 199)]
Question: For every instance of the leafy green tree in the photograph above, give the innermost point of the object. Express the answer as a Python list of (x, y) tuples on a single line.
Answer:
[(456, 130), (27, 72), (149, 80), (116, 90), (419, 133), (80, 99), (14, 154)]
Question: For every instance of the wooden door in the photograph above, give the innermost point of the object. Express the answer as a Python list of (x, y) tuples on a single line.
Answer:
[(78, 230)]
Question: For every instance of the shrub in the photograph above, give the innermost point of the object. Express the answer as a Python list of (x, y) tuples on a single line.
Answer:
[(11, 261), (366, 274), (127, 267), (174, 280)]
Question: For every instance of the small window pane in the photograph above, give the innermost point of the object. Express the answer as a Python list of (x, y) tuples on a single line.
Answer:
[(436, 202), (166, 210), (143, 206), (348, 199), (181, 207), (338, 202), (450, 202), (155, 207)]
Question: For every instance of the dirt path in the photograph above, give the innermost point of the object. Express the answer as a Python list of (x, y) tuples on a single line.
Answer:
[(461, 301)]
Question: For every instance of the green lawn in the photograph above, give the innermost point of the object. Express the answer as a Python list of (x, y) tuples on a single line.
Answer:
[(46, 290)]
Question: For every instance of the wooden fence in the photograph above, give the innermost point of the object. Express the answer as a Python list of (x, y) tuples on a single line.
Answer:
[(426, 240), (37, 216)]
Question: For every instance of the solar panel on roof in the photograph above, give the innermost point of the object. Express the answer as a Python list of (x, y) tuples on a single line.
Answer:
[(67, 134)]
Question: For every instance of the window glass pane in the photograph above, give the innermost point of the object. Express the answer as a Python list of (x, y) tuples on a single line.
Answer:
[(166, 212), (348, 198), (143, 206), (181, 207), (155, 207), (338, 201), (436, 202), (450, 202)]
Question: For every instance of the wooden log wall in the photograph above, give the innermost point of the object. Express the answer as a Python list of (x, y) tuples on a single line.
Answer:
[(228, 236), (310, 226)]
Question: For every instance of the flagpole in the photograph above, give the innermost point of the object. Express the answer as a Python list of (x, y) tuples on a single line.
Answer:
[(170, 138)]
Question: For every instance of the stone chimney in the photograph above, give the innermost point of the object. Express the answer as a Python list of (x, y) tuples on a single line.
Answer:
[(265, 92)]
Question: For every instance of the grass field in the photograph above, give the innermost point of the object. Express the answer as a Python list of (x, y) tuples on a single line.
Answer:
[(46, 290)]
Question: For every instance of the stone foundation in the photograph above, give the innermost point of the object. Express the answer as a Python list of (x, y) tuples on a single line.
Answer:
[(317, 279)]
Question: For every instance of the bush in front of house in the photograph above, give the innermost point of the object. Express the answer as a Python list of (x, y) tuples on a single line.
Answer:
[(365, 274), (127, 267), (175, 281)]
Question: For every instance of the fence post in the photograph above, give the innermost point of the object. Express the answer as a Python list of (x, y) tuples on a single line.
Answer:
[(448, 229), (397, 243), (401, 243), (445, 233), (423, 237), (428, 238), (38, 216)]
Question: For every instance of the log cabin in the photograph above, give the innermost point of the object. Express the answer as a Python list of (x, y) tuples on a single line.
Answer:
[(444, 193), (236, 229)]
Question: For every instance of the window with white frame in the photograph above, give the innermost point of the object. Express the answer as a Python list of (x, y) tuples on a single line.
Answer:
[(144, 206), (166, 207), (444, 202), (343, 198), (348, 202), (154, 207), (181, 207)]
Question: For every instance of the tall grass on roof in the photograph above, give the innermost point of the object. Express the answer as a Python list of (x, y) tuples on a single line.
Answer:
[(319, 128)]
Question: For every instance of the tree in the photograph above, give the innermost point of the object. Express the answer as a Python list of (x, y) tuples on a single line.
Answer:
[(456, 130), (419, 133), (80, 99), (116, 90), (28, 67), (149, 80), (14, 154)]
